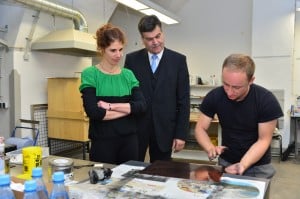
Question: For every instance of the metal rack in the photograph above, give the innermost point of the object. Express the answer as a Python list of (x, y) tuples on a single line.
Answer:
[(39, 113)]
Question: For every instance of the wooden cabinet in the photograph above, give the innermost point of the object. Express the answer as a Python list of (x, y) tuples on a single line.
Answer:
[(66, 117)]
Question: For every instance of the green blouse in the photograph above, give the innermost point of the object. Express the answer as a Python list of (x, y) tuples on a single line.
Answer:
[(110, 85)]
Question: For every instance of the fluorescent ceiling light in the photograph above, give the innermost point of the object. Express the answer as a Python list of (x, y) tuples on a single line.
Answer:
[(162, 17), (149, 8), (133, 4)]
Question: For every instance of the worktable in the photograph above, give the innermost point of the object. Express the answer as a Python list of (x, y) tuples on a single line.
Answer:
[(80, 173), (295, 122), (159, 171)]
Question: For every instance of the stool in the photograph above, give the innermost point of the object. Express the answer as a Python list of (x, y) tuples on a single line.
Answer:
[(277, 136)]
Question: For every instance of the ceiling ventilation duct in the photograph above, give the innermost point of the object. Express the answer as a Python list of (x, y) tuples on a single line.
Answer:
[(76, 42), (69, 42)]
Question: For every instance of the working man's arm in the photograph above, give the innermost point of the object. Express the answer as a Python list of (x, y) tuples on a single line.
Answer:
[(257, 150), (203, 139)]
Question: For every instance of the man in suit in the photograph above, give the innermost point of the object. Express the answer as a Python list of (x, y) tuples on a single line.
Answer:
[(164, 127)]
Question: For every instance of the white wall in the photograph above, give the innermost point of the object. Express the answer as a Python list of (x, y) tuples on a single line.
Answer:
[(210, 30), (296, 71), (206, 35), (272, 49)]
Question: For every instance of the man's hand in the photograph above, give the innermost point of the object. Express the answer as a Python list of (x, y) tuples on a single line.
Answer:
[(237, 169), (178, 145), (215, 151)]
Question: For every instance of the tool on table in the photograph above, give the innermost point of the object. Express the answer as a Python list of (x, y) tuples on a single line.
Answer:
[(81, 166), (99, 173)]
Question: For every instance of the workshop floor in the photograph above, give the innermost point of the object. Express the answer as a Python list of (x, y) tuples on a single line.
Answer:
[(284, 185)]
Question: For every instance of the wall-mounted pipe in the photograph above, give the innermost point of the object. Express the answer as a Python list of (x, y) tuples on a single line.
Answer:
[(3, 44), (55, 9)]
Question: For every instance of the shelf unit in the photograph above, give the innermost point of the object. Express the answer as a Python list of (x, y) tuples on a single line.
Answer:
[(197, 94), (192, 150)]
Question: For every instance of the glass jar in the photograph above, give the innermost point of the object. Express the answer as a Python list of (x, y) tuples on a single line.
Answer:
[(62, 164)]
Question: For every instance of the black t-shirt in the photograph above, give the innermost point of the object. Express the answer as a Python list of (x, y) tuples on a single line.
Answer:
[(239, 120)]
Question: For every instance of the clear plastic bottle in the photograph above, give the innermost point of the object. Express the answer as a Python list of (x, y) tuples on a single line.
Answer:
[(2, 157), (30, 190), (5, 191), (37, 175), (213, 80), (59, 190)]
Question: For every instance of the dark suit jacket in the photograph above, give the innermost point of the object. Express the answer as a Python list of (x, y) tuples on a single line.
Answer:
[(167, 93)]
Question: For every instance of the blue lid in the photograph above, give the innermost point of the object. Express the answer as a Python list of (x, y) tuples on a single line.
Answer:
[(58, 176), (4, 179), (37, 172), (30, 185)]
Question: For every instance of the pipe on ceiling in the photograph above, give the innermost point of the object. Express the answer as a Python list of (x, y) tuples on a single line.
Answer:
[(55, 9), (76, 42)]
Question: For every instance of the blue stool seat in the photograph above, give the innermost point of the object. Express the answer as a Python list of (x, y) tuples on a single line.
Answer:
[(20, 142)]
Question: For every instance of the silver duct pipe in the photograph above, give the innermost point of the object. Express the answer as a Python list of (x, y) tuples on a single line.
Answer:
[(55, 9), (75, 41)]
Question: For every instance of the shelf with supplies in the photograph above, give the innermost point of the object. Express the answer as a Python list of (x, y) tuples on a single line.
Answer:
[(193, 151), (214, 130), (197, 97), (197, 94), (201, 90), (195, 115), (203, 86)]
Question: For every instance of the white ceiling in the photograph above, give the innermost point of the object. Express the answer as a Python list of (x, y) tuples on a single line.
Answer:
[(173, 6)]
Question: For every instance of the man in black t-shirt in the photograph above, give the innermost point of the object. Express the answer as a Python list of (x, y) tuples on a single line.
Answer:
[(248, 116)]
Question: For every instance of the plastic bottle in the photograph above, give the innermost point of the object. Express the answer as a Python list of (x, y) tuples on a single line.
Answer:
[(37, 175), (213, 80), (5, 191), (2, 157), (30, 190), (59, 190), (298, 102)]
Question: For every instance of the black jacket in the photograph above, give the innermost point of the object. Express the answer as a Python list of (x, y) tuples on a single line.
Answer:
[(167, 93)]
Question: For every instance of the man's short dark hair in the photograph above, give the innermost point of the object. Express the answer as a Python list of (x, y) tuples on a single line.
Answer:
[(148, 23)]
